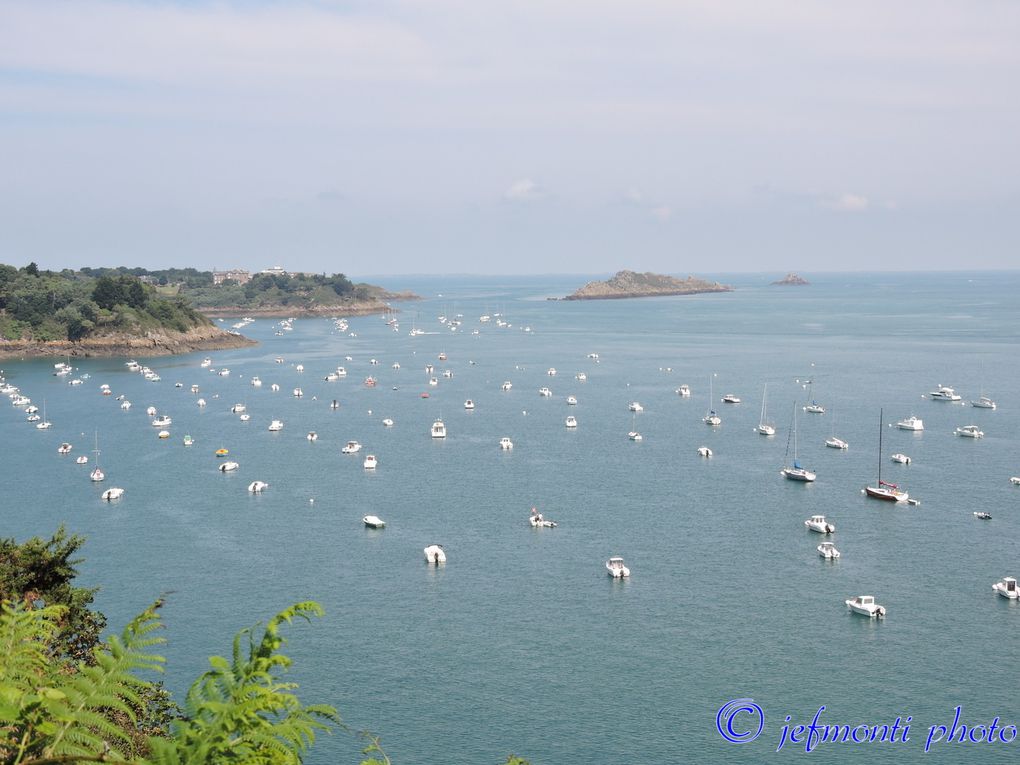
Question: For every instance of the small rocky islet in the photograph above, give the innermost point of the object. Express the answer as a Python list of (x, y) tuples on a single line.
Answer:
[(630, 284)]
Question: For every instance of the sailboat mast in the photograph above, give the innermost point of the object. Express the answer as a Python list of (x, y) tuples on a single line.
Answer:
[(880, 420)]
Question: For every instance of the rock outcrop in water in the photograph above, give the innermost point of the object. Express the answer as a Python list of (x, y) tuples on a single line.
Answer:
[(629, 284), (791, 280)]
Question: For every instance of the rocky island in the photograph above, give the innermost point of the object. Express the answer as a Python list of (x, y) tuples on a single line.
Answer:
[(791, 280), (629, 284)]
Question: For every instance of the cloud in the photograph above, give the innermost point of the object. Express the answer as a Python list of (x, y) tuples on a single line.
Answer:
[(847, 202), (524, 190)]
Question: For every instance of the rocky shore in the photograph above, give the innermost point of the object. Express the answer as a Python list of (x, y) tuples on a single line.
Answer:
[(629, 284), (155, 343)]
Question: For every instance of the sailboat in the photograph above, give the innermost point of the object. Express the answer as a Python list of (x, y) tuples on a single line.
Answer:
[(97, 474), (633, 435), (832, 441), (883, 490), (814, 407), (764, 427), (711, 418), (45, 424), (795, 473)]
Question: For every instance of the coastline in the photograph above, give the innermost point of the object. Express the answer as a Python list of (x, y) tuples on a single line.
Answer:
[(363, 308), (157, 343)]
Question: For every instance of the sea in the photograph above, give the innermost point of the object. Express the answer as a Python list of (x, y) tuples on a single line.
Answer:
[(730, 631)]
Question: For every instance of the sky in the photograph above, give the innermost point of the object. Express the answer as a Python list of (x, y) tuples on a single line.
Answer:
[(515, 137)]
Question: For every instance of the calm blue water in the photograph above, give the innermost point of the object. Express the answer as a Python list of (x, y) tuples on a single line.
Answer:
[(521, 643)]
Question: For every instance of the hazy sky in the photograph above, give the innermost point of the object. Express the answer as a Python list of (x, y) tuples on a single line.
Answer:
[(430, 136)]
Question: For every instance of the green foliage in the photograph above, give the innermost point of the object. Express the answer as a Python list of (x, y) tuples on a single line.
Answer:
[(48, 712), (240, 711), (74, 306), (39, 573), (237, 712)]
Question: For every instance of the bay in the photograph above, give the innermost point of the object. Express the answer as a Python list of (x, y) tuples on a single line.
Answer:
[(521, 643)]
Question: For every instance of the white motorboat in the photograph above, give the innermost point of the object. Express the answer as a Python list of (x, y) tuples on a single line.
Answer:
[(312, 436), (1015, 480), (571, 400), (238, 408), (616, 568), (469, 404), (545, 392), (244, 417), (581, 377), (684, 391), (704, 451), (341, 372), (351, 447), (298, 393), (151, 411), (227, 467), (188, 440), (944, 393), (902, 459), (161, 422), (435, 554), (911, 423), (828, 551), (570, 422), (201, 402), (206, 362), (370, 462), (438, 429), (765, 427), (970, 431), (64, 448), (82, 460), (836, 443), (374, 522), (125, 405), (114, 492), (983, 402), (507, 385), (1007, 588), (730, 398), (538, 521), (635, 407), (819, 524), (865, 605), (224, 373), (388, 423), (257, 487), (276, 426), (506, 443), (982, 515), (551, 371), (33, 418), (814, 408), (256, 382), (274, 388), (164, 434)]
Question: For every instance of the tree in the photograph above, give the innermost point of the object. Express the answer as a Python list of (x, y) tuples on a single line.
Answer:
[(32, 269), (40, 573)]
